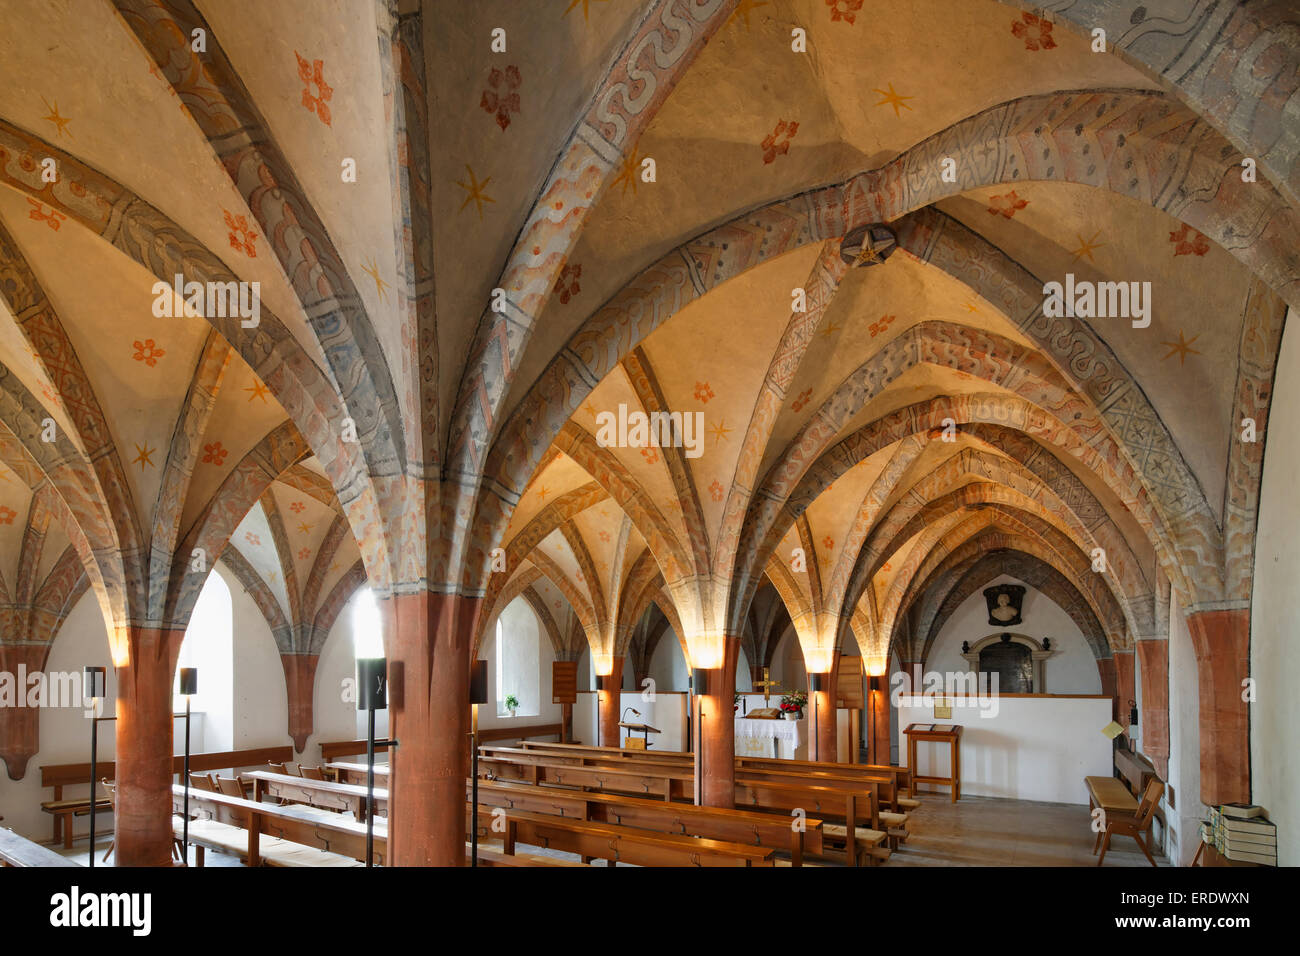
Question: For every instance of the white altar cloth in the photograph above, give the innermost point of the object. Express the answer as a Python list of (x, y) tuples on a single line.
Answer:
[(787, 739)]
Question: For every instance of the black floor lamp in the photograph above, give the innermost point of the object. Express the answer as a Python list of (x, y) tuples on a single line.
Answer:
[(478, 694), (372, 681), (92, 687), (189, 686)]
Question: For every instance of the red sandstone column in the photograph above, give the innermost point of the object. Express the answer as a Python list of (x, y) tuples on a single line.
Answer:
[(428, 699), (300, 680), (20, 726), (143, 828), (823, 704), (1221, 641), (1124, 685), (608, 708), (1154, 729), (715, 758), (1106, 668)]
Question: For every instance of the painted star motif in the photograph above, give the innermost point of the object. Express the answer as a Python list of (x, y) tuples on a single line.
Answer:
[(1086, 247), (867, 253), (143, 456), (831, 329), (475, 191), (627, 174), (970, 307), (1182, 348), (586, 8), (892, 98), (542, 492), (257, 390), (720, 431), (744, 8), (372, 270), (60, 122), (304, 527)]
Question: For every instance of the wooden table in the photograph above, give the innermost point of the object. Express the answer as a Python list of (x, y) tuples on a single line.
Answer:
[(938, 733)]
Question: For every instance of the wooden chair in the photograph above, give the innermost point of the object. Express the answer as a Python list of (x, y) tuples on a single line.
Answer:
[(311, 773), (202, 781), (230, 786), (1138, 826), (279, 768)]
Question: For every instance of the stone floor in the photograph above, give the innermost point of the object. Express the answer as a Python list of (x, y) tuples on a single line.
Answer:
[(975, 831)]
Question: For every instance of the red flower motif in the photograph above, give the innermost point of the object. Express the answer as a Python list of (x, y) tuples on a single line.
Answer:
[(252, 538), (716, 490), (242, 237), (604, 536), (845, 10), (778, 142), (884, 323), (804, 397), (1035, 31), (54, 219), (304, 554), (7, 514), (828, 542), (297, 507), (651, 455), (1006, 205), (147, 352), (566, 286), (214, 454), (505, 101), (313, 73), (703, 393), (1188, 242)]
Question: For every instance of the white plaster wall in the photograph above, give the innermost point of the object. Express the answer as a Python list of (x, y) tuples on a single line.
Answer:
[(1029, 748), (519, 617), (1275, 630), (64, 732), (260, 702), (1071, 670)]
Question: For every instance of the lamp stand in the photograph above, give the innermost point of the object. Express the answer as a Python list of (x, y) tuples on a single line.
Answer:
[(473, 810), (185, 820), (370, 787), (94, 768)]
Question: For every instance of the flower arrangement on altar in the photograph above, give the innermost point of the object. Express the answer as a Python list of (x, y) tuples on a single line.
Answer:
[(793, 703)]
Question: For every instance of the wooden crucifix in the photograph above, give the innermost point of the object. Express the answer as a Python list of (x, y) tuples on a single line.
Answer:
[(767, 684)]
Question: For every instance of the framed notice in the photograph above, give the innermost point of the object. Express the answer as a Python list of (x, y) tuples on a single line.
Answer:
[(942, 709), (564, 682)]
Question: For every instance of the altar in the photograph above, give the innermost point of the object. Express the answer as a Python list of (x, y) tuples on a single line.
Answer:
[(787, 739)]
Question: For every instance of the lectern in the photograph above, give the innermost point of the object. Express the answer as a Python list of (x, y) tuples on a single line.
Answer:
[(632, 743)]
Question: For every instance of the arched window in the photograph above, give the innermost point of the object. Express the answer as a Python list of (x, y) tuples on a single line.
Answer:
[(367, 625), (209, 647), (518, 659)]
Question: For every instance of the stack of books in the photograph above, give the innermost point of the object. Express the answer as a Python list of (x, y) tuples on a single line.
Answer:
[(1242, 832)]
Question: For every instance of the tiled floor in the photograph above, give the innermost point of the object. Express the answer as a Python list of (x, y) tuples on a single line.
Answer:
[(975, 831)]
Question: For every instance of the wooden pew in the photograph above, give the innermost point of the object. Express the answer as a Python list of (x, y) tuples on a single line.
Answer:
[(668, 782), (718, 823), (59, 776), (603, 841), (331, 751), (325, 794), (264, 832), (854, 802), (19, 851), (355, 773)]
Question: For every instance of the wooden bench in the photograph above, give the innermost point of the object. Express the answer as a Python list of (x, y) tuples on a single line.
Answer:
[(277, 836), (840, 800), (19, 851), (718, 823), (59, 776), (325, 794), (355, 773), (620, 844)]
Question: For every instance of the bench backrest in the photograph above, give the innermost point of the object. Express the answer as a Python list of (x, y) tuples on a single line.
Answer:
[(70, 774)]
